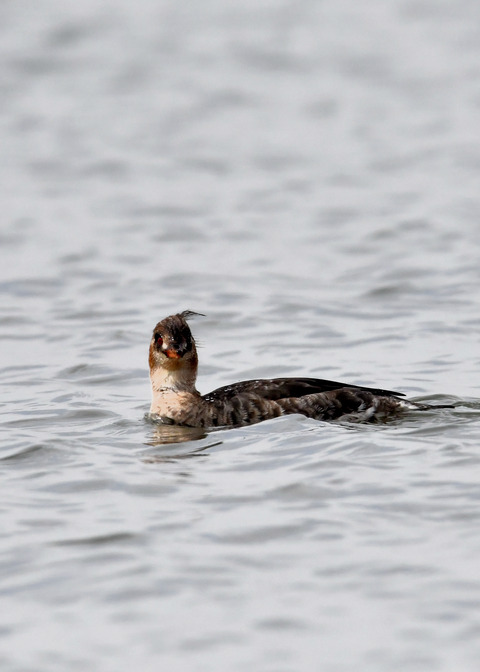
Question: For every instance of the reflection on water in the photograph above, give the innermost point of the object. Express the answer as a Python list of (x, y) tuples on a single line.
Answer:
[(173, 456), (167, 432), (185, 440)]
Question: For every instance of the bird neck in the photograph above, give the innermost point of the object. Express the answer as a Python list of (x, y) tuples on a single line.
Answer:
[(174, 377)]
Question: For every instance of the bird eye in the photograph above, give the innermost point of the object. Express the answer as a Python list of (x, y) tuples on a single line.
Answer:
[(158, 339)]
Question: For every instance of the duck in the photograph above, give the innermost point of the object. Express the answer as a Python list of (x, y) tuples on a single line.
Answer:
[(173, 363)]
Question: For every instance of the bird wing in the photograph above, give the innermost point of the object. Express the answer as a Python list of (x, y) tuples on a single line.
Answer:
[(283, 388)]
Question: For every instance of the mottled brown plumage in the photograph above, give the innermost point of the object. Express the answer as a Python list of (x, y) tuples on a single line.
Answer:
[(173, 364)]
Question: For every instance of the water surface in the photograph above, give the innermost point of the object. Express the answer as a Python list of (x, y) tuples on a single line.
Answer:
[(307, 176)]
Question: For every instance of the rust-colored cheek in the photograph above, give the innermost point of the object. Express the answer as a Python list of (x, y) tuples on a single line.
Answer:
[(172, 354)]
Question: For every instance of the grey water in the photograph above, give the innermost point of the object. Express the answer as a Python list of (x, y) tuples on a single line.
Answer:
[(307, 175)]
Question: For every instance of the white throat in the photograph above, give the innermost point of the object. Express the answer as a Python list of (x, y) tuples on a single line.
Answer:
[(180, 379)]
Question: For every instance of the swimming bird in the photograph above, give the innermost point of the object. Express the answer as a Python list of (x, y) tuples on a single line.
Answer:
[(173, 364)]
